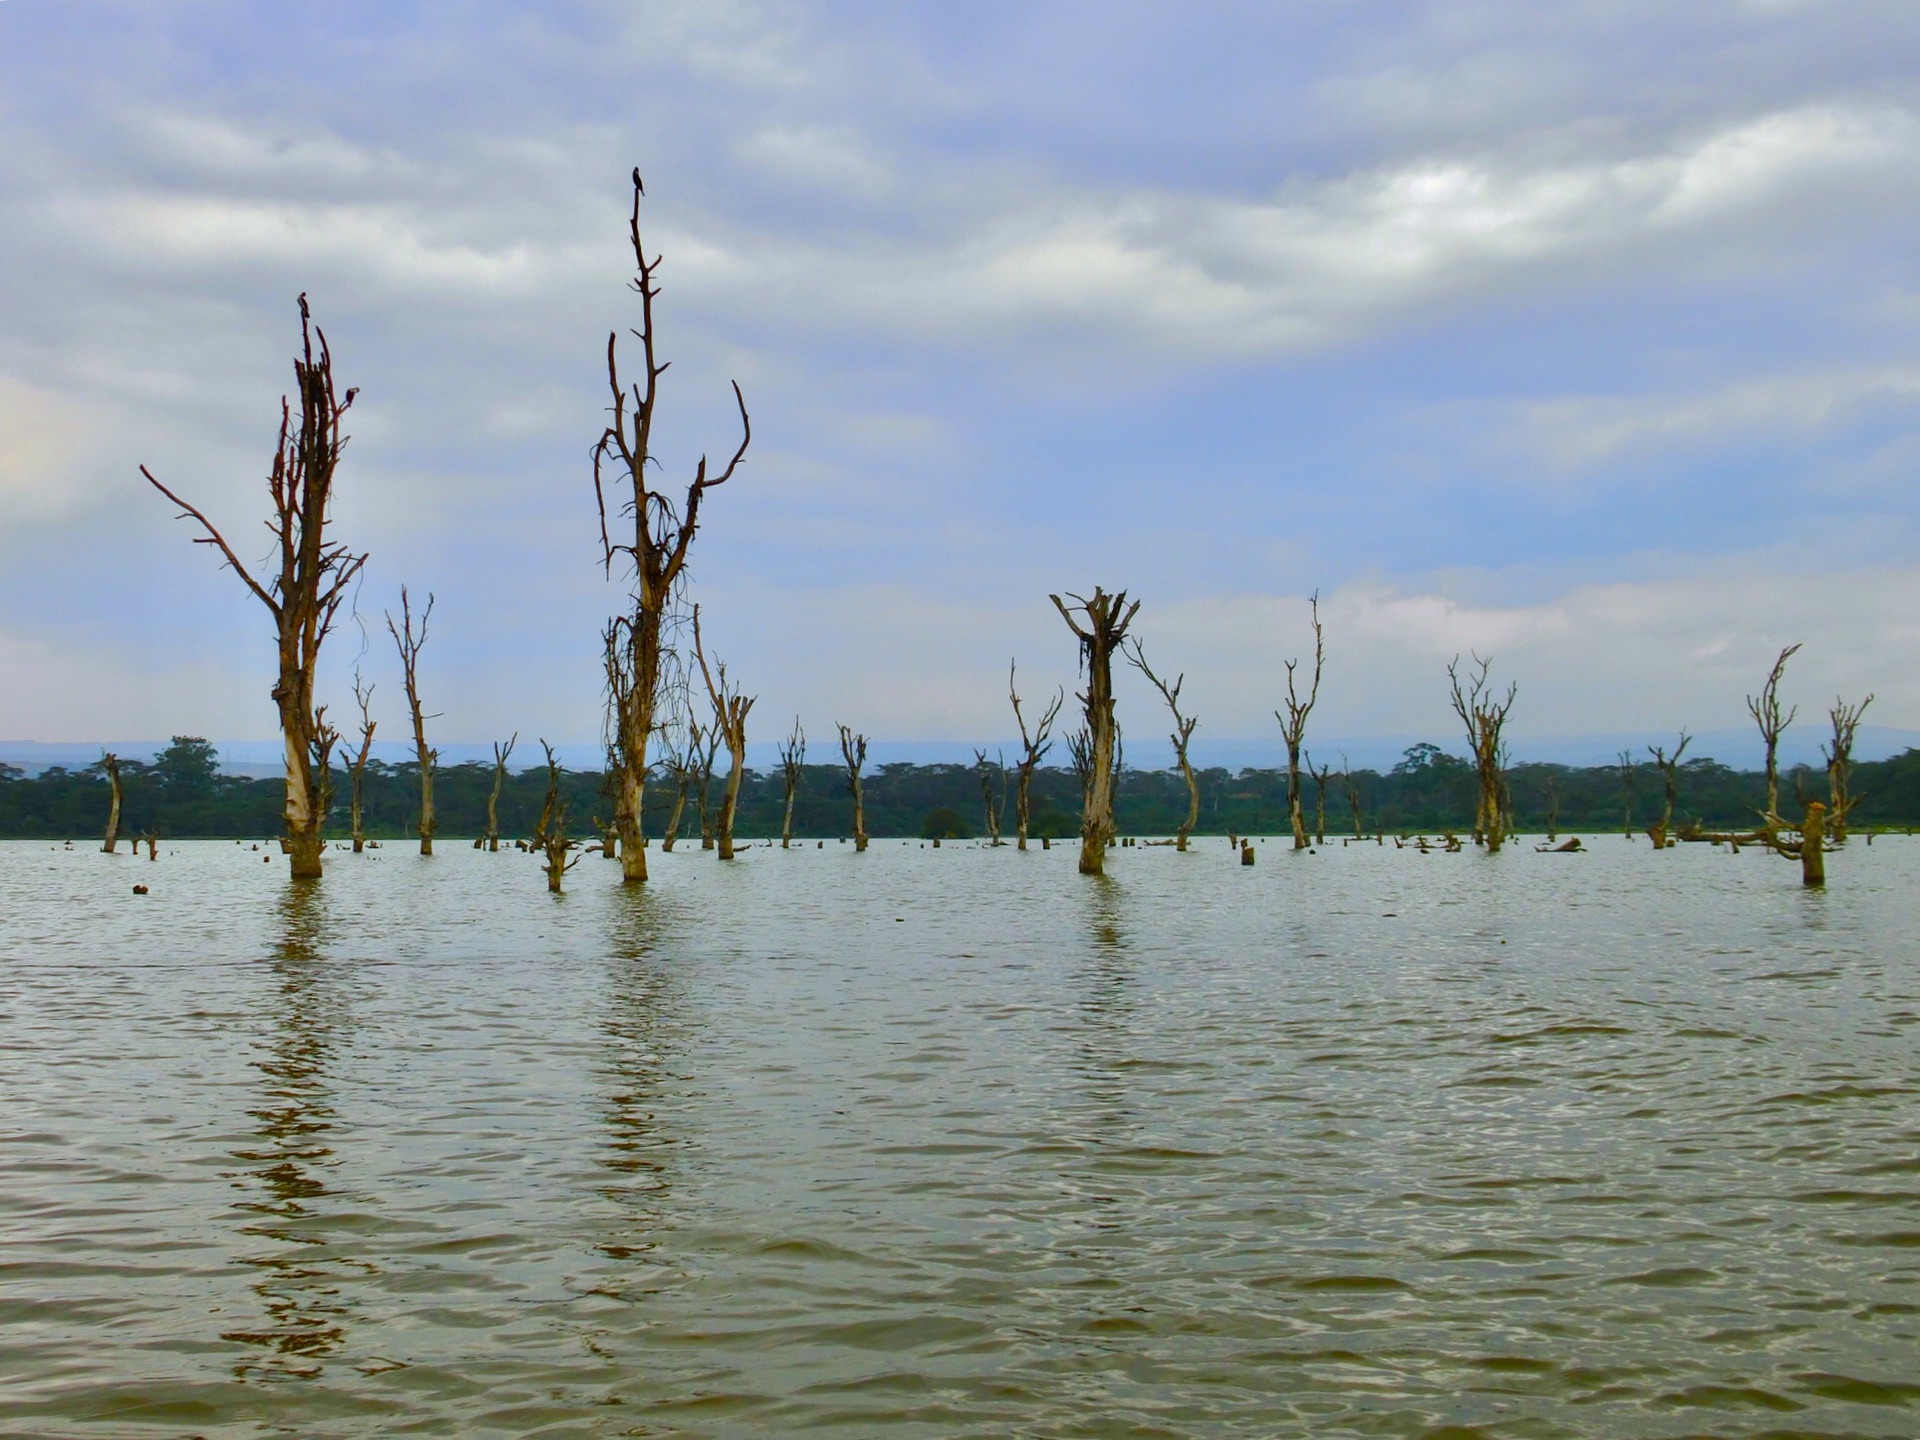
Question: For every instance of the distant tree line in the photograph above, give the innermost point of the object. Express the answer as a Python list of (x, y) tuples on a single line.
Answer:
[(182, 794)]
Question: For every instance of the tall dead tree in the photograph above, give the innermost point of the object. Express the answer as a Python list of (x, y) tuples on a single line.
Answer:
[(1182, 736), (1352, 788), (410, 643), (1669, 766), (500, 756), (677, 761), (793, 759), (730, 709), (1623, 762), (1293, 725), (1484, 713), (1839, 753), (305, 596), (991, 802), (854, 748), (1765, 709), (657, 554), (1319, 800), (357, 767), (550, 837), (1034, 745), (110, 767), (1101, 629), (706, 748)]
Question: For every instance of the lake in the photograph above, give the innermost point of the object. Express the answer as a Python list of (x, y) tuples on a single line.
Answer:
[(1364, 1142)]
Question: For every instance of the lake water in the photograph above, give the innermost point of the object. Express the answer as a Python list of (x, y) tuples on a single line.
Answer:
[(959, 1143)]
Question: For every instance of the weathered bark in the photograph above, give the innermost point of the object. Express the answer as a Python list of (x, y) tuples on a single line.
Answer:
[(1293, 725), (550, 836), (1182, 736), (1106, 618), (305, 596), (1813, 845), (793, 756), (500, 754), (1839, 753), (410, 645), (1765, 709), (854, 748), (357, 770), (1033, 749), (110, 766), (1669, 766), (1485, 717), (662, 536), (730, 709)]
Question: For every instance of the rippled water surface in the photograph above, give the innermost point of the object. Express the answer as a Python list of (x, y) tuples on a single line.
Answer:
[(958, 1143)]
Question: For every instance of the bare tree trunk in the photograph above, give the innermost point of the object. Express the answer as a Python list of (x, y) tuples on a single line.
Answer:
[(657, 553), (1033, 748), (1182, 736), (730, 709), (1765, 709), (703, 783), (550, 837), (1319, 800), (1293, 725), (854, 748), (306, 594), (673, 820), (1669, 766), (793, 757), (1813, 845), (1839, 753), (1625, 766), (410, 645), (500, 754), (1353, 795), (1106, 618), (110, 764), (357, 777), (989, 801), (1485, 717)]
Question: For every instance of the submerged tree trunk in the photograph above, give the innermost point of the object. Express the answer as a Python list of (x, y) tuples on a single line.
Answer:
[(1293, 725), (1839, 752), (1485, 717), (1765, 709), (313, 580), (1101, 629), (730, 709), (1033, 749), (357, 768), (1182, 736), (110, 764), (410, 645), (500, 755), (662, 536), (550, 837), (854, 748), (793, 756)]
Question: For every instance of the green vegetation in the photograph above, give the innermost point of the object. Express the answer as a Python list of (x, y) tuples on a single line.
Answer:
[(182, 794)]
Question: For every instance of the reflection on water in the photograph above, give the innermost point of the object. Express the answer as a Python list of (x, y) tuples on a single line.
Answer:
[(962, 1143), (289, 1154)]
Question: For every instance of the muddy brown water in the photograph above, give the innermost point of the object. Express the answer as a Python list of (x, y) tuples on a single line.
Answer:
[(959, 1143)]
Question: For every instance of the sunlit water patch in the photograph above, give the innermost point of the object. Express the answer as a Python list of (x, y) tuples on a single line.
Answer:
[(960, 1143)]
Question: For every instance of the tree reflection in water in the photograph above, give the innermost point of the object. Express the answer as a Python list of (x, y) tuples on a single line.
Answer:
[(288, 1155), (638, 1029), (1106, 1044)]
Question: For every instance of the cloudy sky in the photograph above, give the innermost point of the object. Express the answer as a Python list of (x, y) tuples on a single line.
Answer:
[(1585, 333)]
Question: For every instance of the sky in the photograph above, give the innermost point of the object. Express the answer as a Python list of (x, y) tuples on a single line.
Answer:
[(1584, 334)]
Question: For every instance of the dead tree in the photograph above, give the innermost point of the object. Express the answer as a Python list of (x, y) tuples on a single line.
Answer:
[(1033, 749), (1182, 736), (657, 553), (500, 754), (1319, 800), (991, 803), (1101, 629), (1765, 709), (1293, 725), (1624, 763), (550, 838), (793, 758), (357, 768), (1839, 753), (1484, 713), (1353, 794), (677, 761), (730, 709), (706, 747), (1669, 766), (305, 596), (854, 748), (110, 767), (410, 645)]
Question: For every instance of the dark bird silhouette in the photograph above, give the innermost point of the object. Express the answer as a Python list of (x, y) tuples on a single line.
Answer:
[(639, 189)]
